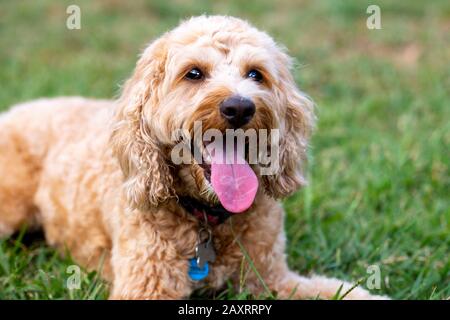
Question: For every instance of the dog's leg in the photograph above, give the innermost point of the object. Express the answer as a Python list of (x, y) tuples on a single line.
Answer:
[(269, 259), (19, 174), (145, 265), (292, 285), (274, 270)]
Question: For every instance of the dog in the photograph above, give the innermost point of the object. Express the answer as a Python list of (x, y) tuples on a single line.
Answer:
[(98, 177)]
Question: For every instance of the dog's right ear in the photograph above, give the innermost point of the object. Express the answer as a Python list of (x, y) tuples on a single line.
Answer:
[(148, 181)]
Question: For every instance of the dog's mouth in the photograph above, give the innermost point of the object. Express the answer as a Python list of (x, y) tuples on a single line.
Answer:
[(231, 177)]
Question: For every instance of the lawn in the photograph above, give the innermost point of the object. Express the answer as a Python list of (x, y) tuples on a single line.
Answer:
[(379, 182)]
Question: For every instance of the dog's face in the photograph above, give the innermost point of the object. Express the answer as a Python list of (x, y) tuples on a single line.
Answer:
[(219, 73)]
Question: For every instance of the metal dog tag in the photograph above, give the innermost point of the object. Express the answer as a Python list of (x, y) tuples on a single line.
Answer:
[(204, 252)]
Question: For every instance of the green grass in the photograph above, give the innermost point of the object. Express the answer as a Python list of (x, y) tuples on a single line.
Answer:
[(379, 163)]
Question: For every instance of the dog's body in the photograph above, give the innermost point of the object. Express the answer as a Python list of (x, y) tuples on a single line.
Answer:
[(94, 174)]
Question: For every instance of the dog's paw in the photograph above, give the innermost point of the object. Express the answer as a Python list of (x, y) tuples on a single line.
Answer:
[(359, 293)]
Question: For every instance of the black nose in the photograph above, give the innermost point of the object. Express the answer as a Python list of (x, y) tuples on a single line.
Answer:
[(237, 110)]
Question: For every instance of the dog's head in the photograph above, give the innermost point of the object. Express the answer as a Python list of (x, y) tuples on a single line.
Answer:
[(220, 73)]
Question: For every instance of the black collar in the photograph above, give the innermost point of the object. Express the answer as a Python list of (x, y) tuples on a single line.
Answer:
[(215, 214)]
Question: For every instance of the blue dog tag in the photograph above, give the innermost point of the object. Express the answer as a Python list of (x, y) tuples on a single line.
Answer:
[(195, 272)]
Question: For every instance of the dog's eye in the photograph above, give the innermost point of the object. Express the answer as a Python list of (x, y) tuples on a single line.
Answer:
[(194, 74), (255, 75)]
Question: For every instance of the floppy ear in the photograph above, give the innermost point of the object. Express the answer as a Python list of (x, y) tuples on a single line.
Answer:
[(148, 181), (296, 123)]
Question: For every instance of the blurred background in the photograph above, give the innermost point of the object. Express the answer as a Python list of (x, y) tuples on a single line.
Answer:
[(379, 162)]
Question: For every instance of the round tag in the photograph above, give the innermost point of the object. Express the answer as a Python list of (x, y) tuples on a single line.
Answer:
[(195, 272)]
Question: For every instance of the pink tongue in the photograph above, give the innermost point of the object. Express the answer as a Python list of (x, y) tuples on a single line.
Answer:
[(234, 181)]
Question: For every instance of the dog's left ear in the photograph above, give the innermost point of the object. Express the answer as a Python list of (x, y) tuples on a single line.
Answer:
[(296, 123), (148, 181)]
